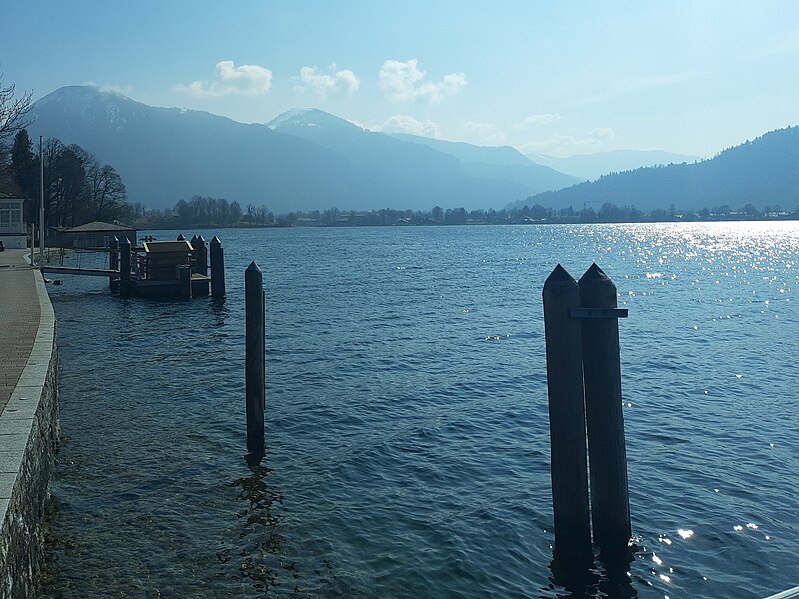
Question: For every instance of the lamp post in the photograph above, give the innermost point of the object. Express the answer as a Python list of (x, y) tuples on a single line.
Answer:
[(41, 205)]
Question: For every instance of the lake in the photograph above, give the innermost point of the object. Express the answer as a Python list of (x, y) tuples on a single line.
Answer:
[(407, 425)]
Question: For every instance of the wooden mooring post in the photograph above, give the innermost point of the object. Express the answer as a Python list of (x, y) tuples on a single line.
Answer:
[(255, 355), (113, 255), (184, 280), (569, 467), (113, 262), (200, 256), (124, 268), (584, 380), (217, 268), (607, 454)]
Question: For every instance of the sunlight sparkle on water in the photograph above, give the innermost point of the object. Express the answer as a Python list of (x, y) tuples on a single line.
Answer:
[(685, 534)]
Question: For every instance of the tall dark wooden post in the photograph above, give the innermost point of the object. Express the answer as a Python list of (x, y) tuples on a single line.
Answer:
[(124, 268), (255, 369), (569, 468), (217, 268), (193, 254), (610, 506), (113, 255), (113, 263), (201, 255), (184, 280)]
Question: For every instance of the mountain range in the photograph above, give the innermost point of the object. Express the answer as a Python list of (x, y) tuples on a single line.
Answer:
[(307, 160), (593, 166), (762, 172), (302, 160)]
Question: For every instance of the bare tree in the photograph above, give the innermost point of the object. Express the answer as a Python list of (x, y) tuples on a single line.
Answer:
[(110, 195), (13, 111), (12, 118)]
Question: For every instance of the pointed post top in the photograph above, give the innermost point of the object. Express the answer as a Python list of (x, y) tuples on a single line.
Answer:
[(216, 241), (181, 237), (594, 273), (200, 240), (115, 238), (193, 239), (125, 240), (559, 274), (253, 267), (558, 278)]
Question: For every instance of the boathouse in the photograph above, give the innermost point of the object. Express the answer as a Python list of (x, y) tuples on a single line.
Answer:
[(12, 225), (96, 234)]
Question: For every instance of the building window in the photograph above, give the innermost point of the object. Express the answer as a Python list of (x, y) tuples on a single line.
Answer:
[(11, 217)]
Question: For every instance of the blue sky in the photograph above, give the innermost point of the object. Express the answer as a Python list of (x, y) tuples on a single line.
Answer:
[(561, 78)]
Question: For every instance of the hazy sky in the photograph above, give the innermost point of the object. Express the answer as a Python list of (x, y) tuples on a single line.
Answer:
[(554, 77)]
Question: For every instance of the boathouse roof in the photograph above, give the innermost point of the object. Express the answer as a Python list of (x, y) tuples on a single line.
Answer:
[(96, 226), (12, 196)]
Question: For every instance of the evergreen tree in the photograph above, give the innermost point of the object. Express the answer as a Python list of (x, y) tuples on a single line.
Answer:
[(25, 164)]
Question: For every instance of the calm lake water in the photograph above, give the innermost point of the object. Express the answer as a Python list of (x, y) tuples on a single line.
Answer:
[(407, 426)]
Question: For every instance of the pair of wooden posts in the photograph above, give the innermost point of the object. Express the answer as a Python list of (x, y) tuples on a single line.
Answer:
[(584, 381), (200, 265)]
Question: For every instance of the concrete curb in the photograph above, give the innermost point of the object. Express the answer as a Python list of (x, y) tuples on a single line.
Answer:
[(28, 439)]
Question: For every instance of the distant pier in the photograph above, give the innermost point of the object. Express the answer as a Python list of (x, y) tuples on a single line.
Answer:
[(176, 268)]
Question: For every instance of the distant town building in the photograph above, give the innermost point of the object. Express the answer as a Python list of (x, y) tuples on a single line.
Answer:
[(91, 235), (13, 232)]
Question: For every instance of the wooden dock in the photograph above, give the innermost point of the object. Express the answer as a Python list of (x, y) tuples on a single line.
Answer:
[(158, 269), (73, 270)]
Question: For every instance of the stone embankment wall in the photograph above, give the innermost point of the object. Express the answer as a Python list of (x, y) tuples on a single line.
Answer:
[(28, 439)]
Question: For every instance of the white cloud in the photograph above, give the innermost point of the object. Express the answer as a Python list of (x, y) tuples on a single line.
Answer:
[(536, 120), (602, 133), (486, 134), (404, 82), (244, 80), (315, 81), (566, 145), (124, 90), (402, 123)]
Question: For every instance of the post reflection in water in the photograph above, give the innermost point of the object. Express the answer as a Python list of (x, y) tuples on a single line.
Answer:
[(261, 539), (581, 580)]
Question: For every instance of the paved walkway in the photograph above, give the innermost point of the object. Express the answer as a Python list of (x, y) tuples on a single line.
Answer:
[(19, 318)]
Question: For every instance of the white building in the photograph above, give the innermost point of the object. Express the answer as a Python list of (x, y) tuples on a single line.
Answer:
[(12, 227)]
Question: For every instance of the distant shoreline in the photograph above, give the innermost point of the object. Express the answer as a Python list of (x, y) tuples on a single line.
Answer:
[(427, 222)]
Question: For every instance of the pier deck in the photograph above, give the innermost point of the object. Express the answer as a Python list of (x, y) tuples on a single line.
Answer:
[(73, 270), (19, 318)]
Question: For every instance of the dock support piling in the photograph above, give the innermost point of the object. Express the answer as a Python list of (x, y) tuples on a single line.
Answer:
[(610, 507), (124, 268), (193, 254), (569, 469), (255, 368), (217, 268), (200, 255), (113, 261), (184, 277)]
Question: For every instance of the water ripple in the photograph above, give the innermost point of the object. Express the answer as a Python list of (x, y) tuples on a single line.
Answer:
[(407, 423)]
